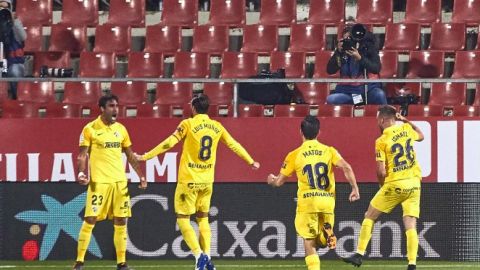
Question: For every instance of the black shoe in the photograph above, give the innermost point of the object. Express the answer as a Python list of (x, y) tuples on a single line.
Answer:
[(78, 266), (412, 267), (355, 259), (123, 266)]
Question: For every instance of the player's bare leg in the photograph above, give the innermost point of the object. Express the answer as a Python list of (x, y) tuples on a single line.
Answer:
[(311, 257), (120, 241), (83, 241), (412, 241), (205, 238), (371, 215)]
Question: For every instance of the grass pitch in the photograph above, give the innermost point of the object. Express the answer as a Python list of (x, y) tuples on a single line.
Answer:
[(240, 265)]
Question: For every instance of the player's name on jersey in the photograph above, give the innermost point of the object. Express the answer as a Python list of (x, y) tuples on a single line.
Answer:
[(197, 128), (313, 152), (318, 194), (399, 135), (199, 166), (403, 167)]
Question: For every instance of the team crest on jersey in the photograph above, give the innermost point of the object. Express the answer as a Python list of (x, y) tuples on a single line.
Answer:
[(116, 134)]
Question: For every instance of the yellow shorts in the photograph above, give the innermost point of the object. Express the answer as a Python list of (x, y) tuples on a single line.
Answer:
[(108, 200), (192, 197), (309, 225), (405, 192)]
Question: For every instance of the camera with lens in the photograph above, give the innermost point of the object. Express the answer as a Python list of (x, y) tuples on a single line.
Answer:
[(55, 72), (357, 33)]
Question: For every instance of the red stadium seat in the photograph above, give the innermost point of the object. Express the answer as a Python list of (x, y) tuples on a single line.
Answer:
[(466, 65), (59, 110), (335, 110), (227, 12), (68, 38), (371, 110), (260, 38), (130, 93), (250, 110), (181, 13), (327, 11), (146, 65), (292, 62), (402, 36), (147, 110), (307, 38), (191, 65), (17, 109), (448, 94), (97, 64), (426, 64), (163, 39), (314, 93), (389, 60), (90, 110), (51, 60), (321, 61), (3, 92), (34, 40), (82, 13), (127, 13), (425, 110), (219, 92), (375, 11), (210, 38), (291, 110), (214, 110), (84, 93), (466, 111), (403, 89), (177, 93), (36, 92), (447, 36), (466, 11), (34, 12), (109, 38), (423, 11), (278, 12), (239, 65)]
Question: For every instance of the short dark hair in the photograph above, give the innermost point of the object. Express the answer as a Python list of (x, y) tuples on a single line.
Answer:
[(387, 111), (102, 102), (310, 127), (200, 103)]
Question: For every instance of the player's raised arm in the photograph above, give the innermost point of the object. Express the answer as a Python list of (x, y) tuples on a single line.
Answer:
[(167, 144), (238, 149), (418, 130), (350, 175), (133, 161), (82, 165)]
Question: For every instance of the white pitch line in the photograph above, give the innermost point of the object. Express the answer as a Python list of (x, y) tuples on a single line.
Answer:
[(170, 266)]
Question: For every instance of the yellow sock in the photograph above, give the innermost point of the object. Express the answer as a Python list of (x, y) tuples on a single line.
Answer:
[(120, 241), (412, 246), (84, 240), (189, 235), (313, 262), (365, 235), (205, 234)]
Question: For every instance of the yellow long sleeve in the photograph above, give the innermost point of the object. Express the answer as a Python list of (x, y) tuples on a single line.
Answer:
[(236, 147), (164, 146)]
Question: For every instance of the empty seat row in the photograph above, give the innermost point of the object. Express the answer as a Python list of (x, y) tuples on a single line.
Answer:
[(232, 12), (215, 39)]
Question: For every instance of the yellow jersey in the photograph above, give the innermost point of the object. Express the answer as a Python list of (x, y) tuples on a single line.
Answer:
[(313, 163), (199, 154), (395, 148), (105, 145)]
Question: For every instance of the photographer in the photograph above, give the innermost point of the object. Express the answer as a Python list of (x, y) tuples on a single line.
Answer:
[(13, 37), (356, 56)]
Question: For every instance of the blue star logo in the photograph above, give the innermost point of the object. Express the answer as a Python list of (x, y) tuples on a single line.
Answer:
[(59, 217)]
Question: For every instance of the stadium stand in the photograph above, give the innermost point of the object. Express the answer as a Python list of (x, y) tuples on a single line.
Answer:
[(68, 38), (181, 13), (466, 11), (112, 39), (278, 12), (219, 93), (129, 13), (389, 60), (210, 38), (321, 61), (448, 94), (94, 64), (308, 38), (16, 109), (83, 93), (191, 65), (402, 36), (466, 64), (260, 38), (130, 93), (335, 111), (176, 93), (59, 110), (330, 12), (375, 11), (147, 65), (163, 39), (34, 12), (231, 13), (250, 110), (313, 93), (292, 62), (466, 111), (80, 13), (35, 92), (291, 110), (424, 12), (425, 110), (239, 65), (447, 36), (426, 64), (34, 40), (58, 59)]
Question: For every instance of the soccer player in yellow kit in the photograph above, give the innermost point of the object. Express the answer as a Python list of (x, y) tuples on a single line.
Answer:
[(102, 142), (313, 163), (196, 174), (399, 176)]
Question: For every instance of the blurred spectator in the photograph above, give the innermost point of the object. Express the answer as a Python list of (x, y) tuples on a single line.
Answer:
[(13, 39), (356, 57)]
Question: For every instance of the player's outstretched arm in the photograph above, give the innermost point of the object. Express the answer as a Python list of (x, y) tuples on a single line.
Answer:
[(350, 175), (82, 165), (276, 180), (405, 120), (238, 149), (163, 147), (133, 161)]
